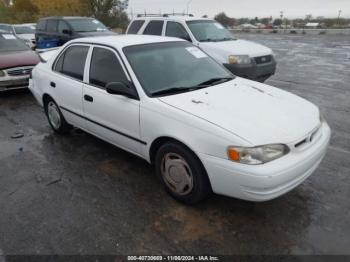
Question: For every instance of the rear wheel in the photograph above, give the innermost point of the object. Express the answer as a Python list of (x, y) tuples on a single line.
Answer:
[(182, 173), (55, 118)]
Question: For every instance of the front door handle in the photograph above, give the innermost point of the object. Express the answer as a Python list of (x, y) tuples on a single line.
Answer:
[(53, 84), (88, 98)]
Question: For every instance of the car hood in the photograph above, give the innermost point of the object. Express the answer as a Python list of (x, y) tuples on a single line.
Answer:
[(236, 47), (258, 113), (27, 36), (16, 59)]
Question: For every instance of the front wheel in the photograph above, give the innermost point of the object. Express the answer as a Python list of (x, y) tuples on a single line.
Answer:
[(55, 118), (182, 173)]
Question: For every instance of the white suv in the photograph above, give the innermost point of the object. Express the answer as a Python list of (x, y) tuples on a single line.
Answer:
[(243, 58)]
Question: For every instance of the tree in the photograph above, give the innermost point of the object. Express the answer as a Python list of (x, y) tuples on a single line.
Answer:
[(277, 22), (265, 20), (23, 11), (225, 20), (110, 12), (61, 7)]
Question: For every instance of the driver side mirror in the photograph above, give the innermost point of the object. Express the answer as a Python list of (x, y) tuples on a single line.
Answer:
[(119, 88), (67, 32)]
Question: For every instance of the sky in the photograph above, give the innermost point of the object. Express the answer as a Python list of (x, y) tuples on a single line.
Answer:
[(246, 8)]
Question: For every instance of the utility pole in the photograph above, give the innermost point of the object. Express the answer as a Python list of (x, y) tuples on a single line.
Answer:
[(188, 6), (339, 13)]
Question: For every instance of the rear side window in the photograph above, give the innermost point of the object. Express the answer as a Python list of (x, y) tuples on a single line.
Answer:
[(51, 26), (175, 29), (41, 25), (62, 25), (105, 68), (72, 62), (135, 26), (154, 28)]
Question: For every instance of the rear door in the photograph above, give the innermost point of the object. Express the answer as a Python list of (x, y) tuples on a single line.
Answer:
[(114, 118), (66, 82)]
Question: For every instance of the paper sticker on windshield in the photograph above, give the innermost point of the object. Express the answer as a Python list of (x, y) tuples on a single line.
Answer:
[(218, 26), (9, 36), (95, 21), (196, 52)]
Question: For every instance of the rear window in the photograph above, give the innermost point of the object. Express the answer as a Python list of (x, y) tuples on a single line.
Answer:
[(41, 25), (9, 43), (51, 26), (154, 28), (135, 26)]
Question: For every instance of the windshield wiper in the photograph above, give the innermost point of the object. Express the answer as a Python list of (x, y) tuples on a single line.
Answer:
[(172, 90), (215, 81)]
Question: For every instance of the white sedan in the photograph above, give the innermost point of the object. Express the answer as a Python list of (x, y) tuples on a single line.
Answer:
[(167, 101)]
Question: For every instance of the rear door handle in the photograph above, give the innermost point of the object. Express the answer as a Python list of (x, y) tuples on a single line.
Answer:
[(88, 98), (52, 84)]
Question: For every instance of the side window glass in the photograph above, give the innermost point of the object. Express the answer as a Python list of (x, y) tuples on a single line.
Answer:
[(72, 62), (154, 28), (62, 25), (177, 30), (105, 68), (41, 25), (51, 26), (135, 26)]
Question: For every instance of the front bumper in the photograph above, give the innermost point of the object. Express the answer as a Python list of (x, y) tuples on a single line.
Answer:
[(254, 71), (14, 83), (268, 181)]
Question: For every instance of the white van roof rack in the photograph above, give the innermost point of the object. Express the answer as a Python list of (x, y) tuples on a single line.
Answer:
[(164, 15)]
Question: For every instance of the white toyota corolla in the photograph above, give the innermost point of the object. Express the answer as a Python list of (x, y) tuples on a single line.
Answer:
[(166, 101)]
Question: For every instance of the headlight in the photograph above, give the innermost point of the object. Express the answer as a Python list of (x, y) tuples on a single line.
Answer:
[(2, 73), (256, 155), (239, 59)]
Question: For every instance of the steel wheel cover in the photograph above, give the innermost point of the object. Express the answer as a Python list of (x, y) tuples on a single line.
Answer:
[(54, 115), (177, 174)]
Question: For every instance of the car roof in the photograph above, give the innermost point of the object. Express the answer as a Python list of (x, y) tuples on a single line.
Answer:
[(66, 17), (171, 18), (121, 41)]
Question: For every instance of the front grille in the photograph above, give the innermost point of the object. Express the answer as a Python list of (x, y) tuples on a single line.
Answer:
[(308, 139), (263, 59), (19, 71)]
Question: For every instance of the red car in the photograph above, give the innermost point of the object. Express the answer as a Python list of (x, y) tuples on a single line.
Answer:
[(16, 63)]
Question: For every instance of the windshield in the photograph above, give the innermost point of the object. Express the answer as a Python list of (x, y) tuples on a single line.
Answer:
[(24, 30), (173, 66), (5, 28), (9, 43), (87, 25), (209, 31)]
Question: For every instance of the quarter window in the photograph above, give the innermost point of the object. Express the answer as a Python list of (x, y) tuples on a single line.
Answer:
[(51, 26), (154, 28), (135, 26), (177, 30), (72, 62), (105, 68)]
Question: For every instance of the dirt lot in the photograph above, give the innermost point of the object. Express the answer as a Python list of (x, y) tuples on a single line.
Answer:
[(80, 195)]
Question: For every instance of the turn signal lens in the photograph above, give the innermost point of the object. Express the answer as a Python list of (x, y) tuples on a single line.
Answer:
[(233, 154)]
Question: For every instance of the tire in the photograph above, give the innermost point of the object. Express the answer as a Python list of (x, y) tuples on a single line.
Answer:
[(182, 173), (56, 120)]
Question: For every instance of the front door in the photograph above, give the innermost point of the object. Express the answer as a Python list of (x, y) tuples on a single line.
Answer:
[(114, 118)]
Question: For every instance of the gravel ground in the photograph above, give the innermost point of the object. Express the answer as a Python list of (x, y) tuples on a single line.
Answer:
[(79, 195)]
